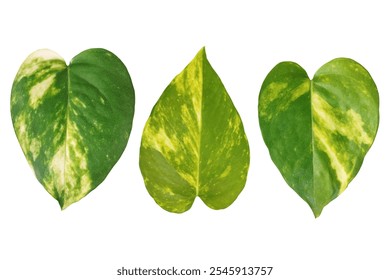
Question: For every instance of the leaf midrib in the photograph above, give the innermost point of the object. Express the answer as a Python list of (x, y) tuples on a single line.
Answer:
[(200, 127), (66, 124), (312, 141)]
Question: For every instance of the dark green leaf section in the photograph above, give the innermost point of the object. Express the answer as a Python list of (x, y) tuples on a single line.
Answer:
[(72, 122), (318, 131), (194, 143)]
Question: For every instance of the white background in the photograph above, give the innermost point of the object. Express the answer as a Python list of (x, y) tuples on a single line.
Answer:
[(119, 224)]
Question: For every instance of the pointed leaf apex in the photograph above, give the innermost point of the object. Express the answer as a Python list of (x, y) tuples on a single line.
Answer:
[(317, 212), (202, 53)]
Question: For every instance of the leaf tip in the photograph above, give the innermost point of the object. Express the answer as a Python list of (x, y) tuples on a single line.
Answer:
[(202, 52), (64, 203), (316, 211)]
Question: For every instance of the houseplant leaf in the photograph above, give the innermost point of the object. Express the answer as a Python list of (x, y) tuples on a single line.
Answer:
[(318, 131), (72, 122), (194, 143)]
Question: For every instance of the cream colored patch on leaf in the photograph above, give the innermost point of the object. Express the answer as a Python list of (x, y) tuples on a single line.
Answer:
[(76, 101), (86, 183), (28, 148), (357, 132), (280, 100), (76, 154), (185, 114), (324, 143), (159, 140), (235, 123), (191, 178), (350, 126), (35, 148), (197, 105), (32, 63), (300, 90), (167, 191), (77, 175), (226, 172), (43, 54), (272, 92), (37, 91), (57, 168), (192, 145), (74, 192), (21, 129)]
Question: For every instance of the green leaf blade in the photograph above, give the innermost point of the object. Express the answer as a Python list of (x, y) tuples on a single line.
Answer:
[(192, 127), (73, 126), (337, 124)]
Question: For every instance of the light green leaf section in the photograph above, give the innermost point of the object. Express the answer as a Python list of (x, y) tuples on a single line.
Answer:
[(194, 143), (318, 131), (72, 122)]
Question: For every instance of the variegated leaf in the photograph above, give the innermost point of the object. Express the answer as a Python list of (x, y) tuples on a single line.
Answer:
[(72, 122), (194, 143), (318, 131)]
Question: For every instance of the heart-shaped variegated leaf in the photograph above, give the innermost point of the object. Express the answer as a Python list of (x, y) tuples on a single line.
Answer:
[(72, 122), (194, 143), (318, 131)]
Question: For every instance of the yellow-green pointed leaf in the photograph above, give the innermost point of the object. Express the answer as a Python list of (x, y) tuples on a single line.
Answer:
[(318, 131), (194, 143), (72, 122)]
